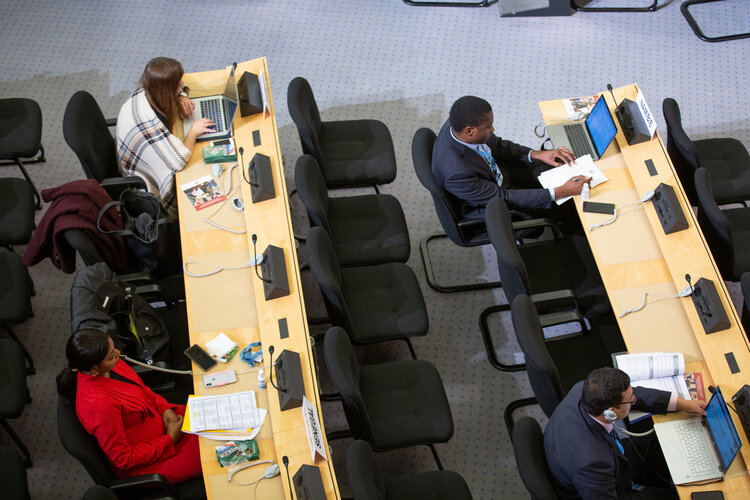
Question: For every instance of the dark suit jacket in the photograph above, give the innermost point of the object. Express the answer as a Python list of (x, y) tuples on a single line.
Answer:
[(583, 456), (466, 175)]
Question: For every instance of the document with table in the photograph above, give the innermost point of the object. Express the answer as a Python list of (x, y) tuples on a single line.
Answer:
[(225, 296), (635, 255)]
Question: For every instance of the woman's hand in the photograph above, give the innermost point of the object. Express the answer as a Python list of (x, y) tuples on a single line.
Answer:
[(186, 107), (174, 429), (169, 416), (201, 127)]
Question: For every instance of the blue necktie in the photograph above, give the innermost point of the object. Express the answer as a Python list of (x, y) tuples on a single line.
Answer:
[(617, 440), (484, 152)]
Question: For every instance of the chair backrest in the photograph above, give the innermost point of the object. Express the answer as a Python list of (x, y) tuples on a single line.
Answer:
[(344, 370), (13, 475), (715, 225), (447, 206), (543, 375), (82, 446), (365, 477), (312, 190), (86, 132), (97, 492), (324, 264), (682, 151), (304, 111), (745, 287), (513, 273), (528, 446)]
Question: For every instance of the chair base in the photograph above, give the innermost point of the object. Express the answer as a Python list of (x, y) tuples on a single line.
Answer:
[(698, 31), (429, 272), (650, 8), (40, 157), (30, 369), (513, 406), (490, 346), (483, 3), (24, 451)]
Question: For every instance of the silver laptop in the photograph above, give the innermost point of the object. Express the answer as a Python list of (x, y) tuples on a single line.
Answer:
[(219, 108), (699, 449), (591, 136)]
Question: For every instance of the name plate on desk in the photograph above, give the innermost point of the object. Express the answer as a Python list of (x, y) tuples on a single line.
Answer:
[(312, 427)]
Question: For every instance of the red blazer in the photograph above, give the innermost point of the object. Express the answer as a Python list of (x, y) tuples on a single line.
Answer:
[(126, 420)]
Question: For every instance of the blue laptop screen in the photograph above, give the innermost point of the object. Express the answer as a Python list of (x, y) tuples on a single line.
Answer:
[(601, 127), (723, 433)]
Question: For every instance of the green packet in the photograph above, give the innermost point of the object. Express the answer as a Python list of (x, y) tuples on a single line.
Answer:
[(231, 453)]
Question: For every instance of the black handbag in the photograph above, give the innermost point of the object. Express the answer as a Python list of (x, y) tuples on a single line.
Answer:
[(147, 230)]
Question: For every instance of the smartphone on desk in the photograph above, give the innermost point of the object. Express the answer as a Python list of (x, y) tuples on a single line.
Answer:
[(707, 495), (598, 208), (200, 357)]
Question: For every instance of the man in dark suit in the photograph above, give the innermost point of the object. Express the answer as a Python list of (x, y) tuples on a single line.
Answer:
[(474, 165), (585, 455)]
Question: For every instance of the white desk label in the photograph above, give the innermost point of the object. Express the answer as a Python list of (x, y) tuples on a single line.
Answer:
[(646, 113), (312, 427)]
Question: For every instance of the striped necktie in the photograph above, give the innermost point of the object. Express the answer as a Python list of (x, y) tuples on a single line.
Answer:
[(484, 152)]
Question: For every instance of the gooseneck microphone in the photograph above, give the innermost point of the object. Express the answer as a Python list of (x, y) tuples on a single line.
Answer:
[(689, 281), (255, 252), (244, 174), (285, 461), (270, 353), (612, 92)]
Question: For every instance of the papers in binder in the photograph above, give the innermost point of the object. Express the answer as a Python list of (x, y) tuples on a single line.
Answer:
[(582, 167), (224, 417)]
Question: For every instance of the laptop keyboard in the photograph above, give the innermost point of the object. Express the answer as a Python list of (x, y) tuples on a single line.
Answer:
[(577, 139), (212, 109), (691, 437)]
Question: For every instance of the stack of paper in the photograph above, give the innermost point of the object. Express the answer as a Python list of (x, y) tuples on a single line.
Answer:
[(582, 167), (224, 417)]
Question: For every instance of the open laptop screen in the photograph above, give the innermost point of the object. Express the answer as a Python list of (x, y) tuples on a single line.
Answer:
[(601, 127), (723, 433)]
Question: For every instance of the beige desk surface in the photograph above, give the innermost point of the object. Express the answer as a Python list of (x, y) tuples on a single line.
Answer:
[(634, 255), (233, 302)]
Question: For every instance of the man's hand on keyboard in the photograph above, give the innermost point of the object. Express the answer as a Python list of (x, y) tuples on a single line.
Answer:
[(554, 157), (186, 107)]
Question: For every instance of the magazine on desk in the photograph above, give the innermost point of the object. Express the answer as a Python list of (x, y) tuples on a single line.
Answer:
[(659, 370), (203, 192)]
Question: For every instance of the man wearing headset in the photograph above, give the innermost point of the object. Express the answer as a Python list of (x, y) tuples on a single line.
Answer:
[(586, 457)]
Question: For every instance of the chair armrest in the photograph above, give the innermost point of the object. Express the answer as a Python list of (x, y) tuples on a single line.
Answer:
[(561, 318), (554, 298), (111, 122), (123, 182), (540, 222), (470, 223), (144, 481)]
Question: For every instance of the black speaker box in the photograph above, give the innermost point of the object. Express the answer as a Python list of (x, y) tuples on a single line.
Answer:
[(273, 270), (631, 122), (709, 307), (668, 209), (308, 484), (251, 100), (288, 370), (261, 178)]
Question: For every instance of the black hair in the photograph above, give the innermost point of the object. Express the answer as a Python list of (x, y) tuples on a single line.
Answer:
[(84, 350), (603, 388), (468, 111)]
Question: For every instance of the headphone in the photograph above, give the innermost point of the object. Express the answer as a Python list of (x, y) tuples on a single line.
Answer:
[(609, 415)]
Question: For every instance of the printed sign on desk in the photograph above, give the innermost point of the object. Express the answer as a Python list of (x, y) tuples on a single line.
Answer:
[(646, 113), (312, 427)]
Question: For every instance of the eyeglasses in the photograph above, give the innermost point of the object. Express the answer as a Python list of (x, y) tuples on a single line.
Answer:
[(632, 401)]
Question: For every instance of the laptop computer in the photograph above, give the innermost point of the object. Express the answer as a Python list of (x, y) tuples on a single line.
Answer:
[(699, 449), (220, 108), (591, 136)]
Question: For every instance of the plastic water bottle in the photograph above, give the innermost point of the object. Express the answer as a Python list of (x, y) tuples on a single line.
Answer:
[(261, 379)]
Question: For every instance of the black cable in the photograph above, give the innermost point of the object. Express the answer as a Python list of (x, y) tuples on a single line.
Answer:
[(270, 376), (285, 461), (242, 160)]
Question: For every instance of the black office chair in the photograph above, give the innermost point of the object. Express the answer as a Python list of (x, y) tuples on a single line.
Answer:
[(726, 158), (390, 405), (16, 212), (13, 475), (16, 290), (528, 447), (727, 231), (97, 492), (83, 447), (461, 231), (351, 153), (87, 133), (745, 287), (367, 481), (685, 8), (556, 365), (21, 137), (560, 275), (14, 394), (365, 230), (373, 303)]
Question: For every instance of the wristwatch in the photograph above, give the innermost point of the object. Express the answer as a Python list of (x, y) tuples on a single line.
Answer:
[(185, 91)]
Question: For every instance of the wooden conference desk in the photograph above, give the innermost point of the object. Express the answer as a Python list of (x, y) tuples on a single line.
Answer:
[(634, 255), (232, 301)]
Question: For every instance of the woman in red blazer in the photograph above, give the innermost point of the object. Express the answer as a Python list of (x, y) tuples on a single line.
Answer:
[(139, 431)]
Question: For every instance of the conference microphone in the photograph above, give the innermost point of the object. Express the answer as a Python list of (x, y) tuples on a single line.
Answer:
[(689, 280), (611, 91), (285, 461), (255, 252)]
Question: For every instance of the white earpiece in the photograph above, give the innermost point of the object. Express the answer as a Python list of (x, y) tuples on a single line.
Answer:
[(610, 415)]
